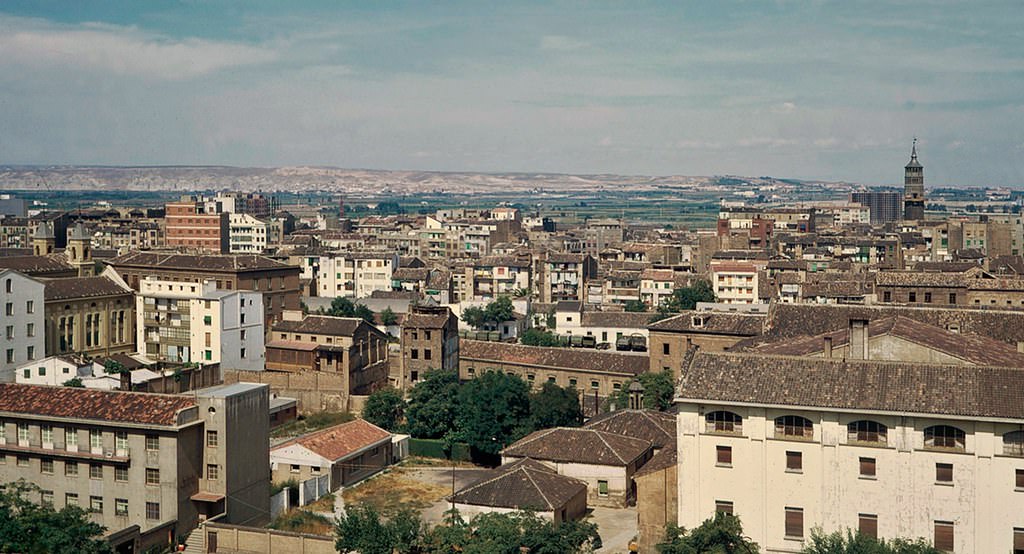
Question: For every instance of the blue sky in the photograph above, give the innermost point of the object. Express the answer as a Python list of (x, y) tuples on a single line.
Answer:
[(817, 90)]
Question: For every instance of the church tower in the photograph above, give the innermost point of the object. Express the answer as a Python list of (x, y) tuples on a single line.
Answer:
[(913, 187), (43, 240), (79, 250)]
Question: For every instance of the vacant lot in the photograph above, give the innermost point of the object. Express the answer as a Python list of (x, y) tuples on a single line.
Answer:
[(395, 489)]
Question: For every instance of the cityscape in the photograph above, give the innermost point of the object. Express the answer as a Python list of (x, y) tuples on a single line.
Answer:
[(283, 316)]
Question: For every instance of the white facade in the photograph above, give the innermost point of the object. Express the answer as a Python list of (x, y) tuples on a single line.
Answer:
[(734, 282), (21, 322), (53, 371), (898, 483), (247, 234), (355, 275)]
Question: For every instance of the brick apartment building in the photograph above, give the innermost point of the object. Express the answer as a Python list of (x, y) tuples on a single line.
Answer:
[(190, 226)]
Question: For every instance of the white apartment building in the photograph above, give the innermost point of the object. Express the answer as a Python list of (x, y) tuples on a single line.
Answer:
[(887, 448), (247, 234), (734, 282), (355, 274), (21, 322), (656, 286), (195, 322)]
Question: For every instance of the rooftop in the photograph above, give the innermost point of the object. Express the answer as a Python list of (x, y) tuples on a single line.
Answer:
[(339, 441), (576, 358), (574, 445), (100, 405)]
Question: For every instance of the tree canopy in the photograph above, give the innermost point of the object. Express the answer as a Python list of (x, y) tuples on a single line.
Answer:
[(385, 409), (388, 317), (493, 411), (430, 413), (635, 306), (540, 337), (493, 313), (37, 528), (686, 298), (343, 307), (722, 534), (659, 387), (555, 406), (851, 542)]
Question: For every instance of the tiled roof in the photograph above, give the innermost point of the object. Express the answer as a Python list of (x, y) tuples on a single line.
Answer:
[(82, 287), (73, 402), (410, 274), (747, 325), (321, 325), (239, 262), (583, 446), (36, 265), (426, 321), (666, 458), (969, 391), (629, 320), (523, 484), (335, 443), (483, 352), (502, 261), (657, 427)]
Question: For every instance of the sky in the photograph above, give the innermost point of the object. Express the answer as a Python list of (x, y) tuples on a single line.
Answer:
[(800, 89)]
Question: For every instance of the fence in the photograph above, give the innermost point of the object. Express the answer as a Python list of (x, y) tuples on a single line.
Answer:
[(435, 448), (279, 503), (219, 537), (312, 489)]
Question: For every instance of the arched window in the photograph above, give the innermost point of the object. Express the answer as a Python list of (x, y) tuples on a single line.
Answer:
[(866, 430), (944, 436), (1013, 443), (722, 421), (794, 427)]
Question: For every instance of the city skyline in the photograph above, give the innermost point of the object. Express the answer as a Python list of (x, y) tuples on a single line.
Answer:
[(810, 91)]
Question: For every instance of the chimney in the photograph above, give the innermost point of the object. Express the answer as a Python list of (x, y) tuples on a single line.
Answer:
[(859, 339), (828, 347)]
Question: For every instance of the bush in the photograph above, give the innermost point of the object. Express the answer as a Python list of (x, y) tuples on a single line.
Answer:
[(437, 448)]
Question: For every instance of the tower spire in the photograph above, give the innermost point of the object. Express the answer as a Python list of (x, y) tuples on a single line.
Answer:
[(913, 150)]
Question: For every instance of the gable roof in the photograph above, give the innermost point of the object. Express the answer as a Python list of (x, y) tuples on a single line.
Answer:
[(100, 405), (523, 484), (339, 441), (562, 358), (321, 325), (666, 458), (82, 287), (971, 391), (583, 446), (236, 262), (651, 425), (36, 265), (746, 325)]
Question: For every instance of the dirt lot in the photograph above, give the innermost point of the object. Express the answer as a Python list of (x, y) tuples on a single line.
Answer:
[(409, 486)]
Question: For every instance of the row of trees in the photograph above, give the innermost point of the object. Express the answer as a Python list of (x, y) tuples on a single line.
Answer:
[(488, 413), (495, 312), (723, 534), (343, 307), (362, 530)]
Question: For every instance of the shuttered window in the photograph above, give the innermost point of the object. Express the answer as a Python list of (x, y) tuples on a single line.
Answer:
[(723, 506), (1020, 479), (794, 461), (1018, 541), (867, 467), (944, 535), (867, 525), (944, 473), (724, 455), (795, 522)]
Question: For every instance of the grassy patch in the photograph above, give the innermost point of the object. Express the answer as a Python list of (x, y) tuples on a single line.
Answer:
[(301, 521), (391, 491), (420, 461), (310, 423), (323, 504)]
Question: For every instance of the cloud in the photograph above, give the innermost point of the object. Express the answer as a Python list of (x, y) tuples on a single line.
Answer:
[(120, 50), (785, 107), (561, 42)]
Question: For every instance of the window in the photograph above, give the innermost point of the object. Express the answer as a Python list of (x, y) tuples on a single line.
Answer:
[(867, 467), (594, 385), (794, 427), (944, 536), (30, 307), (120, 473), (46, 466), (152, 476), (46, 497), (10, 332), (723, 422), (71, 469), (943, 473), (315, 470), (928, 298), (10, 355), (41, 371), (794, 523), (207, 320), (426, 353), (241, 353), (46, 432), (867, 431), (212, 472), (794, 462), (23, 433), (295, 468), (152, 442), (665, 349), (867, 525), (415, 354), (95, 471), (9, 308), (8, 287), (71, 499), (952, 298), (1013, 443), (723, 507), (912, 297), (121, 442), (887, 296), (152, 510), (1019, 479), (723, 456), (96, 504), (602, 488), (30, 329), (95, 439), (616, 386), (71, 439), (120, 506), (944, 436), (211, 438)]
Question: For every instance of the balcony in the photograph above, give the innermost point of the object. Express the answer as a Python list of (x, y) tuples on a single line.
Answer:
[(101, 455)]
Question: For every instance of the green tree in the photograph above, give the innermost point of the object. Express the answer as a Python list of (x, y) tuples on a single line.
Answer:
[(852, 542), (74, 382), (388, 317), (474, 317), (539, 337), (554, 406), (498, 533), (385, 408), (362, 530), (364, 313), (32, 528), (659, 387), (636, 306), (430, 413), (343, 307), (493, 411), (722, 534), (493, 313), (686, 298)]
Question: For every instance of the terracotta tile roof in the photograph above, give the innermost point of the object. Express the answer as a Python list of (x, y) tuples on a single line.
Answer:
[(339, 441), (72, 402), (410, 274), (630, 320), (583, 446), (657, 427), (239, 262), (36, 265), (658, 274), (664, 459), (82, 287), (483, 352), (426, 321), (501, 261), (320, 325), (523, 484), (746, 325), (968, 391), (292, 345)]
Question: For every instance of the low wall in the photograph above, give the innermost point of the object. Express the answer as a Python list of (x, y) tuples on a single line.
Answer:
[(315, 391), (254, 540)]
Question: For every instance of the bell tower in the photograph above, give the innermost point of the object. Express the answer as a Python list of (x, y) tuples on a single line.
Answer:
[(43, 240), (913, 187), (79, 250)]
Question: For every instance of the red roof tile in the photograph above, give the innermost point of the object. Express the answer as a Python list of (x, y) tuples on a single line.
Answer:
[(124, 407)]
